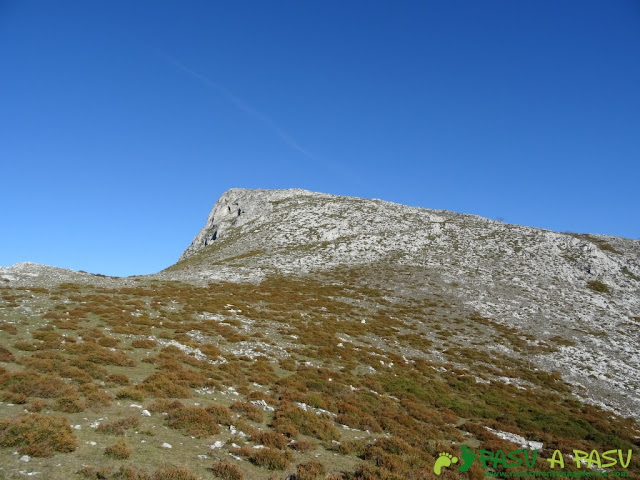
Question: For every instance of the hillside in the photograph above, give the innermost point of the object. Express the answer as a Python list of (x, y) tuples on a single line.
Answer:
[(354, 337)]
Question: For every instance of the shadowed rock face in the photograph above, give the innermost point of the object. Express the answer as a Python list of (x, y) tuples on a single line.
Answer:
[(581, 290)]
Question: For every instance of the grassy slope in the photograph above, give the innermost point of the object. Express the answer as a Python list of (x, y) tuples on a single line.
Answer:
[(401, 370)]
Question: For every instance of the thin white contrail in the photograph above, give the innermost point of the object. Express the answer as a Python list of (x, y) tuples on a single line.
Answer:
[(240, 104)]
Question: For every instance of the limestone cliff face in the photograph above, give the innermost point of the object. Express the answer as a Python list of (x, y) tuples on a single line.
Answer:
[(233, 209)]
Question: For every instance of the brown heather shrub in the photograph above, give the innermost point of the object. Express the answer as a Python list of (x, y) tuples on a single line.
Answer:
[(302, 445), (285, 427), (131, 394), (226, 471), (165, 385), (75, 374), (193, 421), (210, 350), (104, 356), (96, 398), (37, 435), (269, 439), (67, 324), (265, 457), (9, 328), (6, 355), (43, 362), (34, 385), (47, 335), (96, 371), (26, 346), (36, 406), (91, 334), (125, 329), (394, 445), (94, 473), (17, 398), (289, 385), (120, 450), (359, 421), (306, 422), (242, 389), (130, 473), (108, 342), (102, 473), (388, 461), (162, 405), (370, 472), (249, 410), (310, 471), (350, 447), (143, 343), (256, 395), (118, 427), (173, 473), (220, 413), (262, 378), (118, 379), (288, 364), (69, 404)]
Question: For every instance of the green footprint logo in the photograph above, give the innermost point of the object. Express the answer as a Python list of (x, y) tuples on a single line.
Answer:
[(444, 460), (468, 457)]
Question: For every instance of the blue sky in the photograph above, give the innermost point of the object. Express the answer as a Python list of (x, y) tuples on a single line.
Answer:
[(122, 122)]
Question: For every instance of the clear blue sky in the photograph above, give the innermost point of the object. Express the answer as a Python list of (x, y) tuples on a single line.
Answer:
[(121, 122)]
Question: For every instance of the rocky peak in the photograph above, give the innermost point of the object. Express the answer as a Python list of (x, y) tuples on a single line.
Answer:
[(235, 208)]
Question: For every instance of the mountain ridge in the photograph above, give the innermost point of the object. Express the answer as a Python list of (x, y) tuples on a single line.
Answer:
[(355, 337), (507, 272), (583, 288)]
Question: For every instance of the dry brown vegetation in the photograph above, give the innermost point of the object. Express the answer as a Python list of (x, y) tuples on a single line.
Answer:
[(37, 435), (193, 421), (297, 349), (118, 427), (227, 471), (119, 450)]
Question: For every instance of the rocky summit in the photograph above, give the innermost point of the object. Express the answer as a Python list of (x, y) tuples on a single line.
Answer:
[(307, 335)]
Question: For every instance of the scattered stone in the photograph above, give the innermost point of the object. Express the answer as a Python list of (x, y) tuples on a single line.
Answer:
[(517, 439), (261, 403)]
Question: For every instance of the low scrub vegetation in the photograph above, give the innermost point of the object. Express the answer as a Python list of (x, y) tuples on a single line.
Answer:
[(37, 435), (119, 450), (310, 471), (226, 471), (291, 365), (193, 421), (118, 427)]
